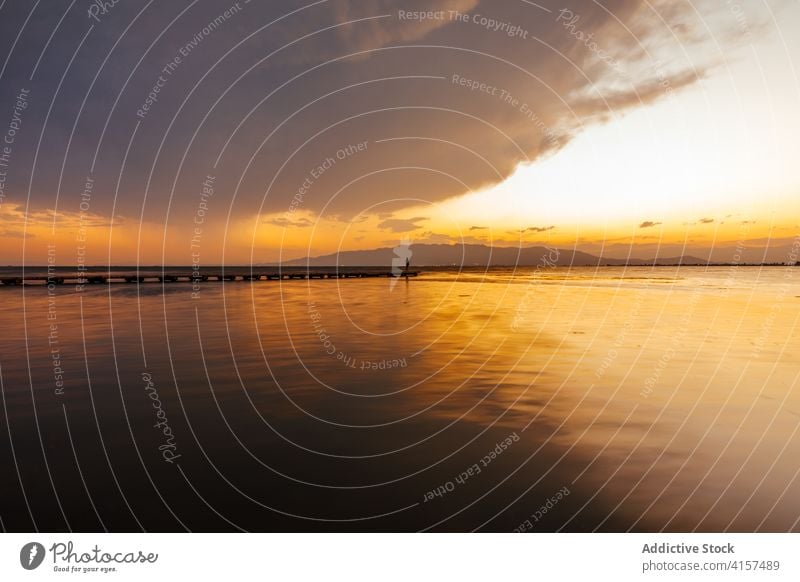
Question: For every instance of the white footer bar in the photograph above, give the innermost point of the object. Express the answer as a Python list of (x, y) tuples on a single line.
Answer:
[(401, 557)]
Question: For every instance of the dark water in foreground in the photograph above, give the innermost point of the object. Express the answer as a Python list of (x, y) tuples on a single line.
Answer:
[(609, 399)]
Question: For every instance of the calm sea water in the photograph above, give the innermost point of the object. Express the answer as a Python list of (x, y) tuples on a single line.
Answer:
[(576, 400)]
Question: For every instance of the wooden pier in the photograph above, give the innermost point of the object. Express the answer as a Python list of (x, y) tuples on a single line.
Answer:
[(200, 277)]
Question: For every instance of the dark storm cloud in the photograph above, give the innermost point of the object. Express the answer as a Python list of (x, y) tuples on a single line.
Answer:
[(335, 107)]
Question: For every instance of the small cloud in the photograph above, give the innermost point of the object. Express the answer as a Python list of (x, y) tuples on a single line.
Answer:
[(475, 240), (16, 234), (434, 238), (350, 219), (520, 232), (648, 224), (16, 217), (401, 224), (706, 220), (285, 222), (748, 222), (478, 227)]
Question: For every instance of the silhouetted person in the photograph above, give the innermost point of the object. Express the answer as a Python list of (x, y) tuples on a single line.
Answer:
[(408, 262)]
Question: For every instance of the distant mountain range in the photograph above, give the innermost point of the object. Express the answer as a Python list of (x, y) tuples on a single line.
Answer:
[(468, 255)]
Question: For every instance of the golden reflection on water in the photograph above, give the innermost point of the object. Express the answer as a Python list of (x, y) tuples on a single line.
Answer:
[(662, 398), (680, 392)]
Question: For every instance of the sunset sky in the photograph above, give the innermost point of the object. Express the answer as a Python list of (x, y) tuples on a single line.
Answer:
[(292, 129)]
